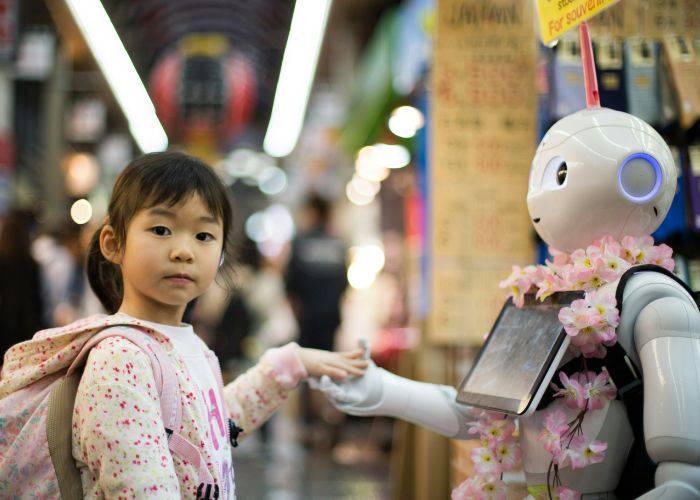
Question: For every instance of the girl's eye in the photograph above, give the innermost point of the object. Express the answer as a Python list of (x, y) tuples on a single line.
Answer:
[(160, 230), (205, 236)]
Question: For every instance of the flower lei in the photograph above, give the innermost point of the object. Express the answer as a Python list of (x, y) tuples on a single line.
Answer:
[(590, 324)]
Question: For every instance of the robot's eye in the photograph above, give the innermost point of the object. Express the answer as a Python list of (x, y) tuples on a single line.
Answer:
[(561, 174), (555, 174), (639, 177)]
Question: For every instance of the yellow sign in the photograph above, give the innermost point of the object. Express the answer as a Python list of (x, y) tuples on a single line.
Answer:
[(559, 16)]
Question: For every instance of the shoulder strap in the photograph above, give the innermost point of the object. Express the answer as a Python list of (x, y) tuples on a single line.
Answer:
[(163, 372), (622, 283), (59, 432)]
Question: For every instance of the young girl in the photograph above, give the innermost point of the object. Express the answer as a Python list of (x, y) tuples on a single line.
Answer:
[(166, 237)]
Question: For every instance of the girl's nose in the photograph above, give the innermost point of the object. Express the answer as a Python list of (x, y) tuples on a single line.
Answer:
[(182, 253)]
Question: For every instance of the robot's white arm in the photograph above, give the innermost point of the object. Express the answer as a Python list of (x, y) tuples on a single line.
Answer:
[(667, 340), (381, 393)]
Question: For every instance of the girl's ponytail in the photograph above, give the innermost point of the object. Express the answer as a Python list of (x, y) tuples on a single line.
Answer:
[(105, 278)]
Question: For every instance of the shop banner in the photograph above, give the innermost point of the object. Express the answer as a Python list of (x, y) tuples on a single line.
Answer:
[(482, 139), (556, 17)]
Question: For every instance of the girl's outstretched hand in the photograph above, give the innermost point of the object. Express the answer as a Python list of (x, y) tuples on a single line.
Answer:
[(336, 365)]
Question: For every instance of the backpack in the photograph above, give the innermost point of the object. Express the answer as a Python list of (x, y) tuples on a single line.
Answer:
[(38, 387)]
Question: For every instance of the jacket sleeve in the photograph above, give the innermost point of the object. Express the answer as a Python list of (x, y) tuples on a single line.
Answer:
[(118, 432), (254, 396)]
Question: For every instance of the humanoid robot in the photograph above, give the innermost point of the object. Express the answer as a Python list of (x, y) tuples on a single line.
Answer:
[(596, 172)]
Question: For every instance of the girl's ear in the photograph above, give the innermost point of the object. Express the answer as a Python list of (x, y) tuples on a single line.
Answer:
[(109, 245)]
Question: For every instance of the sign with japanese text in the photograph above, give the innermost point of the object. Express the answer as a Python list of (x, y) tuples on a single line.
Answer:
[(556, 17)]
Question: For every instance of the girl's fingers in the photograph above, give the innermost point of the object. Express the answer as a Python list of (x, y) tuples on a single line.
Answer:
[(348, 367), (334, 372), (356, 371), (359, 362), (357, 353)]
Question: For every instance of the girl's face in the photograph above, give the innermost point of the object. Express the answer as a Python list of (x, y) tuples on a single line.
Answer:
[(171, 256)]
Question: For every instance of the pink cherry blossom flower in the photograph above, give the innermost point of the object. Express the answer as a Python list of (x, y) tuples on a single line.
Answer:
[(573, 392), (519, 283), (468, 489), (500, 430), (588, 343), (568, 494), (491, 425), (630, 251), (613, 262), (584, 452), (592, 274), (555, 426), (508, 453), (549, 283), (662, 255), (579, 277), (493, 489), (577, 317), (605, 305), (599, 389), (581, 259), (485, 461), (646, 249)]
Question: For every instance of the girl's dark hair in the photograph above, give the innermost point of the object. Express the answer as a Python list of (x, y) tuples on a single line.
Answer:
[(150, 180)]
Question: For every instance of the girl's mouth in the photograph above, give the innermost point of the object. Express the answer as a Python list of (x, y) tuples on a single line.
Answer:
[(180, 279)]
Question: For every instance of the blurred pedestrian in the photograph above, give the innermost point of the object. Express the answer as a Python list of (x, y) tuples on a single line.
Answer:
[(315, 281), (21, 308)]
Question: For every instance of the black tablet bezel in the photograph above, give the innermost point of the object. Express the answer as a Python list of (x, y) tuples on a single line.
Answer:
[(510, 405)]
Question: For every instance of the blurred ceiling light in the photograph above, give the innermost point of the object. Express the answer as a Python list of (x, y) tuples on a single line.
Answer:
[(367, 261), (82, 173), (405, 121), (281, 221), (367, 168), (391, 155), (81, 211), (272, 181), (119, 71), (273, 223), (296, 75), (355, 197), (372, 162), (255, 227), (364, 187), (371, 256), (271, 229), (359, 277)]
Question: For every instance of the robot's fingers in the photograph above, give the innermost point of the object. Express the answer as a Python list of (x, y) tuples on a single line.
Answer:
[(338, 392), (364, 345)]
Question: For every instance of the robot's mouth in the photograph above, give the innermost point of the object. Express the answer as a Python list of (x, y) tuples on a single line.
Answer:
[(536, 220)]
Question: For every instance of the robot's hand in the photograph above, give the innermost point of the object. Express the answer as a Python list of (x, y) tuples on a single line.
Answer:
[(354, 395), (381, 393)]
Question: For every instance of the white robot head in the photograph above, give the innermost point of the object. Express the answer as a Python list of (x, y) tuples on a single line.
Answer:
[(599, 172)]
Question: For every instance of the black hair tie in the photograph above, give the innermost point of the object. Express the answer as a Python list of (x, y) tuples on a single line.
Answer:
[(233, 431)]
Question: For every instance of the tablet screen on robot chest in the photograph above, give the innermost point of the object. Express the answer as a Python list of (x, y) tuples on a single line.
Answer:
[(519, 357)]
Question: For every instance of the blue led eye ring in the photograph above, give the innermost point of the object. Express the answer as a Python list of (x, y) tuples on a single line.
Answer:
[(623, 180)]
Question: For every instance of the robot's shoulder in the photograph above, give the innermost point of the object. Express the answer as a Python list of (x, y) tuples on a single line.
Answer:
[(640, 286)]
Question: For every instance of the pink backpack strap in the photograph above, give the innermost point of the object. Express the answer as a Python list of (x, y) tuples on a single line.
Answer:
[(168, 390)]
